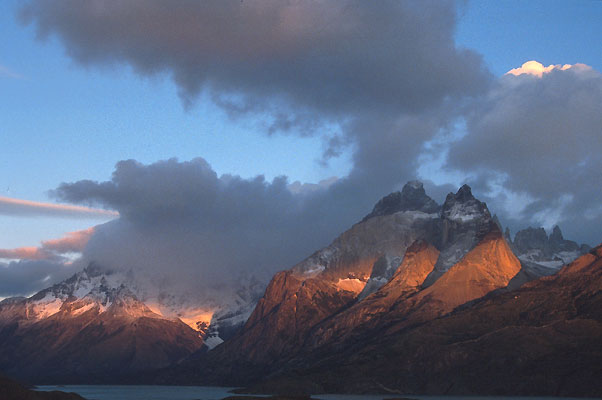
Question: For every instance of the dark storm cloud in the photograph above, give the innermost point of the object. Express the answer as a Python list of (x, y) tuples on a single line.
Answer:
[(26, 277), (541, 136), (335, 57), (201, 232), (388, 76)]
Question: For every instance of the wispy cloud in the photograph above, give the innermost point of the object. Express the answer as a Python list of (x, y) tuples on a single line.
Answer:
[(26, 208), (6, 72), (25, 253), (51, 250), (71, 242)]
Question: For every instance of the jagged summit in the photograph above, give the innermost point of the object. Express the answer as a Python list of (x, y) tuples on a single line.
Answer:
[(534, 246), (464, 206), (411, 198)]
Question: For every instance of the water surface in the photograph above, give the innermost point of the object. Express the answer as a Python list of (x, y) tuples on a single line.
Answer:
[(140, 392), (116, 392)]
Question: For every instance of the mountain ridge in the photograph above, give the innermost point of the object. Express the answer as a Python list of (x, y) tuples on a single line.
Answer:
[(406, 264)]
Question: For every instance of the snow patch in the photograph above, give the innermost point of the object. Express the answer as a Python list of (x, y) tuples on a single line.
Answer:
[(212, 341), (463, 212), (413, 215), (46, 307)]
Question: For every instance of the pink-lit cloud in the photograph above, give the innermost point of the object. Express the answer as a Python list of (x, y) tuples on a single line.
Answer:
[(26, 253), (72, 242), (19, 207)]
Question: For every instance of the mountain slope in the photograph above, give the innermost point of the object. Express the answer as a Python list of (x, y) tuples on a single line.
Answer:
[(397, 264), (542, 339), (88, 329)]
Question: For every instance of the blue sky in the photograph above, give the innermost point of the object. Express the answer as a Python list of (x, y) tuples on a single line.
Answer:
[(61, 122)]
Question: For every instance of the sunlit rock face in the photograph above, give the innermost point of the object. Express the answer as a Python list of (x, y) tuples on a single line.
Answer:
[(490, 265), (418, 262), (404, 301)]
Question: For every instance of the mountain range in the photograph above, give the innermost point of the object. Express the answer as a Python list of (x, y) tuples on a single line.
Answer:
[(417, 297)]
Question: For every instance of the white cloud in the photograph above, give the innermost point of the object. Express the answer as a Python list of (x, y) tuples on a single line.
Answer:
[(537, 69)]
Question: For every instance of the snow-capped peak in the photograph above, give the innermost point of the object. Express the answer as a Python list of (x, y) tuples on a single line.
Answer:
[(463, 206)]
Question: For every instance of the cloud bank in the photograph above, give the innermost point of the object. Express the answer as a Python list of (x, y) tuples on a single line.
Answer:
[(198, 235), (334, 57), (540, 135), (26, 277)]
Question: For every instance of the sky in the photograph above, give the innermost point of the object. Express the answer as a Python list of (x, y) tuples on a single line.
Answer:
[(234, 138)]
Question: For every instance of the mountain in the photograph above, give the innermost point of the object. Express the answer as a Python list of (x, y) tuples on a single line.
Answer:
[(419, 299), (389, 281), (543, 339), (409, 260), (535, 248), (91, 327)]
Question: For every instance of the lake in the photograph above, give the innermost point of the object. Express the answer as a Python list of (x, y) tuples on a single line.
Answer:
[(111, 392)]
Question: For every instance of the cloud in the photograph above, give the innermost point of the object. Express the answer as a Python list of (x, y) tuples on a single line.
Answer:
[(329, 58), (35, 268), (537, 69), (387, 78), (29, 253), (26, 208), (26, 277), (51, 250), (197, 235), (540, 138), (72, 242)]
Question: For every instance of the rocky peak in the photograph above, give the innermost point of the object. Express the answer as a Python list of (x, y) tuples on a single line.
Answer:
[(464, 193), (531, 238), (411, 198), (464, 222), (534, 245), (556, 237), (463, 206)]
